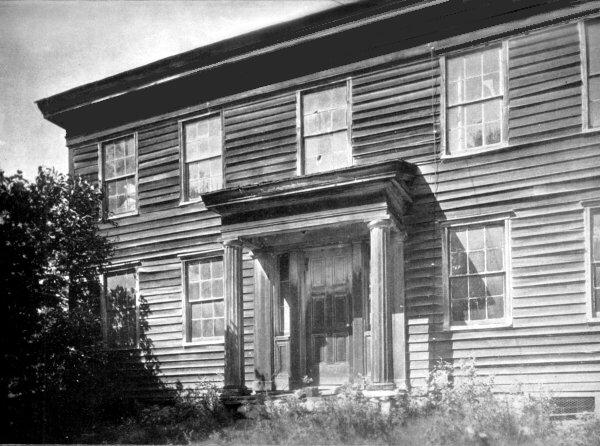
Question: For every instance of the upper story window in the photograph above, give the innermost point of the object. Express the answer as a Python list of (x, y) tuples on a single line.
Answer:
[(325, 127), (203, 147), (474, 98), (120, 309), (592, 228), (592, 50), (119, 176), (477, 273), (204, 304)]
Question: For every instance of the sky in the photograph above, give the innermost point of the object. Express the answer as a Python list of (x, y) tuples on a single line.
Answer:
[(47, 47)]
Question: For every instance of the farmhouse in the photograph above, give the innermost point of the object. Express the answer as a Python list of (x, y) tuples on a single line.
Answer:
[(358, 194)]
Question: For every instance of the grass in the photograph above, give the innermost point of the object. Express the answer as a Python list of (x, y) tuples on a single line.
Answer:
[(455, 409)]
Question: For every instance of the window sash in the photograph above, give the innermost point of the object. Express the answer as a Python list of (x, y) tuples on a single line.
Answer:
[(126, 335), (483, 294), (111, 177), (459, 143), (214, 324), (212, 151)]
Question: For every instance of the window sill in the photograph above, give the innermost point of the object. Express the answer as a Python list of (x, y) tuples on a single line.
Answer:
[(474, 152), (475, 327), (593, 320), (192, 202), (120, 216), (219, 340)]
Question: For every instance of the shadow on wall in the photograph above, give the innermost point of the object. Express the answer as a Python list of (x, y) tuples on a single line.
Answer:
[(428, 343)]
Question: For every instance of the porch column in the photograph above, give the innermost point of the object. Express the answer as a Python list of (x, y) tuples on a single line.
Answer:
[(234, 316), (381, 288), (264, 282)]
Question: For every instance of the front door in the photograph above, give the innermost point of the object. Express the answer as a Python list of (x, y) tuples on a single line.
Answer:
[(329, 285)]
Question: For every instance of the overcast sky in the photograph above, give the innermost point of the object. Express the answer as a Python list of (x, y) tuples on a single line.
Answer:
[(49, 47)]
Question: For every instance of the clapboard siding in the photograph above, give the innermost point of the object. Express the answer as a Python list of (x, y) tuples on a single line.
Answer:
[(85, 162), (542, 184), (544, 84), (395, 113), (260, 141)]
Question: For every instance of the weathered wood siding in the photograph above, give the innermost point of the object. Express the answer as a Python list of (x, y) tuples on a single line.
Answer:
[(550, 342), (544, 84), (395, 113), (260, 141), (548, 168)]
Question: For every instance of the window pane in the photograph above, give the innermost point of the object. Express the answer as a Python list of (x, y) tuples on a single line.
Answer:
[(491, 61), (217, 288), (476, 286), (458, 287), (219, 327), (477, 309), (593, 46), (219, 308), (491, 133), (495, 307), (596, 274), (326, 152), (196, 310), (494, 259), (458, 263), (475, 238), (474, 136), (455, 69), (196, 329), (495, 285), (491, 85), (206, 310), (459, 310), (472, 89), (458, 239)]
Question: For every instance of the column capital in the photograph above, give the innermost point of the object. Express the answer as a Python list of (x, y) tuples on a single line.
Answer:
[(380, 223), (233, 242)]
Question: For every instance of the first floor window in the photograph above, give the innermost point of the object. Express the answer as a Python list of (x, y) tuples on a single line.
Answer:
[(593, 228), (203, 145), (121, 309), (474, 94), (204, 304), (119, 174), (477, 273), (325, 126)]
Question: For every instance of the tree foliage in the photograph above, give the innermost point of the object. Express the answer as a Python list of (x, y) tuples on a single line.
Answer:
[(57, 374)]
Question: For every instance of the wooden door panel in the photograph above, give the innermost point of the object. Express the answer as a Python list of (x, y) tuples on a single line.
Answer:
[(329, 295)]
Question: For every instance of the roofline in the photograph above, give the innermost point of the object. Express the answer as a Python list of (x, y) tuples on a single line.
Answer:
[(245, 46)]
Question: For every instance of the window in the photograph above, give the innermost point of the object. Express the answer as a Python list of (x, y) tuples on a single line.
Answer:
[(476, 269), (204, 304), (592, 62), (119, 172), (203, 145), (592, 228), (120, 309), (325, 125), (474, 97)]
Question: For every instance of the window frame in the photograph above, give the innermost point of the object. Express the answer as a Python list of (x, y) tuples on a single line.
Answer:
[(121, 269), (183, 183), (186, 328), (103, 181), (301, 158), (506, 321), (504, 79), (590, 208), (583, 51)]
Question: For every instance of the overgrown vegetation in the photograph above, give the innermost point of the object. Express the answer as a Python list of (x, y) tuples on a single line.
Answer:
[(456, 408), (58, 379)]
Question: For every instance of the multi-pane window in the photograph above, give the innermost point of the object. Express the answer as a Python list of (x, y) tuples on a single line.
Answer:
[(325, 130), (203, 144), (121, 309), (594, 238), (593, 72), (119, 172), (477, 273), (474, 93), (204, 299)]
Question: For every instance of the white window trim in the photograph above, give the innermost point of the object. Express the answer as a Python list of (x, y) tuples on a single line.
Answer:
[(300, 158), (102, 181), (183, 200), (504, 139), (588, 208), (115, 270), (185, 331), (506, 321), (583, 51)]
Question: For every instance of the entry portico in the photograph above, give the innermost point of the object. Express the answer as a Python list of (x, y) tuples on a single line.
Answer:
[(328, 277)]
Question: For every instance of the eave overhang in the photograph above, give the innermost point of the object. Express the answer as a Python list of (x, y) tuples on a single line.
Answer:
[(364, 184)]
